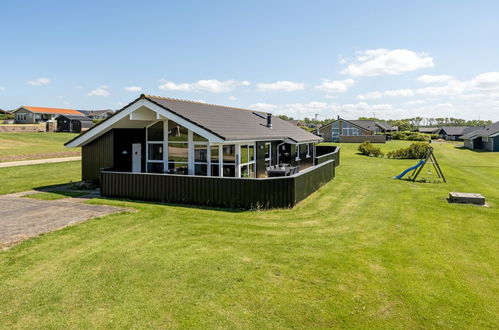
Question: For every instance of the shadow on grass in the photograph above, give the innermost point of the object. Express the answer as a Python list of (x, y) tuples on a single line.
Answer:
[(182, 205), (474, 150)]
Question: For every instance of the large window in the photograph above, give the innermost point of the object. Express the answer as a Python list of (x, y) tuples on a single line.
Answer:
[(215, 160), (350, 130), (201, 159), (229, 160), (155, 148)]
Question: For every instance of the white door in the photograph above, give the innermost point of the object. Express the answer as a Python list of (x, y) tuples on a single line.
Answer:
[(136, 157)]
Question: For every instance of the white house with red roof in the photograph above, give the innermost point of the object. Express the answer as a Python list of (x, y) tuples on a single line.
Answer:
[(30, 115)]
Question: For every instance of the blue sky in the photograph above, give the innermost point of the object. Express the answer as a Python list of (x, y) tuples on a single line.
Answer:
[(348, 58)]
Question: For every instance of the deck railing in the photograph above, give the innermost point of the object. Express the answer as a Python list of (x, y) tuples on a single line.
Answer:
[(278, 192), (325, 153)]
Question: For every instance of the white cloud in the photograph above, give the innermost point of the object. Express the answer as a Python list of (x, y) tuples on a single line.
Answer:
[(377, 62), (377, 94), (39, 82), (430, 79), (415, 102), (336, 86), (486, 81), (210, 85), (103, 90), (2, 89), (133, 89), (232, 98), (283, 85)]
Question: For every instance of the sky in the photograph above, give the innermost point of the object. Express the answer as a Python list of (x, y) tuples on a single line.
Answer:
[(388, 59)]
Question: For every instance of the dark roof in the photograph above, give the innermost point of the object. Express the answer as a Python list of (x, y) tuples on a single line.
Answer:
[(71, 117), (226, 122), (233, 123), (95, 112), (483, 131), (296, 122), (384, 125), (458, 130)]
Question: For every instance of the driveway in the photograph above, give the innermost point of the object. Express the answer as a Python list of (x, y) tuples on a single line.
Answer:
[(22, 218)]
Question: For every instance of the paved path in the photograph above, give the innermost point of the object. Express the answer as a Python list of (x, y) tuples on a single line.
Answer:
[(39, 161), (22, 218)]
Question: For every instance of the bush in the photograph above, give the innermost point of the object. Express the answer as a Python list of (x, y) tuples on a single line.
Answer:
[(366, 148), (414, 151), (411, 136)]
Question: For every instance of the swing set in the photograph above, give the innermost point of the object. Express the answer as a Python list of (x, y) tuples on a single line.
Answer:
[(429, 158)]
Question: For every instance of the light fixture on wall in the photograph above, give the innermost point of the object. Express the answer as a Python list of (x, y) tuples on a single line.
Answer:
[(124, 152)]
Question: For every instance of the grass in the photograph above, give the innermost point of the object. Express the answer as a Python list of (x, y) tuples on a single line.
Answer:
[(54, 195), (23, 146), (365, 251), (21, 178)]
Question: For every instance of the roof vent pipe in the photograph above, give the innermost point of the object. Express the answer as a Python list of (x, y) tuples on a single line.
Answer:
[(269, 120)]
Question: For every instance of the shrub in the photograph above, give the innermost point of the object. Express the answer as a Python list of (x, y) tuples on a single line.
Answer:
[(414, 151), (411, 136), (435, 136), (366, 148)]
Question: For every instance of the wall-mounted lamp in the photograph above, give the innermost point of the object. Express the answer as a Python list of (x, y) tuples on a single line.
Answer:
[(124, 152)]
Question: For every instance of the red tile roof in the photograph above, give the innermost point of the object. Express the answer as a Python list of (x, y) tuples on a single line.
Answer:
[(53, 110)]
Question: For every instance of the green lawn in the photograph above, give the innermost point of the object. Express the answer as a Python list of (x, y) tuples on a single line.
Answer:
[(20, 146), (365, 251), (21, 178)]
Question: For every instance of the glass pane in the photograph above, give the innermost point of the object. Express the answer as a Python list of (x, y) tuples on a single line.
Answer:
[(244, 171), (229, 170), (214, 154), (155, 132), (200, 154), (267, 151), (214, 170), (154, 167), (229, 153), (201, 169), (244, 154), (177, 168), (155, 151), (197, 137), (178, 152), (176, 132), (251, 153)]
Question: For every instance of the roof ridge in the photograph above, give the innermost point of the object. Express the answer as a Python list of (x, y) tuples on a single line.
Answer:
[(197, 102)]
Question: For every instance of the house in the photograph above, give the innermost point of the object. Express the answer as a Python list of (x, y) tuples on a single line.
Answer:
[(485, 138), (454, 133), (73, 124), (165, 149), (97, 114), (354, 131), (298, 123), (30, 115), (429, 130)]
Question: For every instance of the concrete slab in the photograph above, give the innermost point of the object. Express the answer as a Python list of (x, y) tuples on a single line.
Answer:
[(466, 198), (22, 218)]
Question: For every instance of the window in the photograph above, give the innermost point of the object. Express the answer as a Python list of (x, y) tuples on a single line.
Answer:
[(155, 132), (176, 132), (155, 151), (201, 159), (268, 154), (215, 160), (247, 157), (178, 152), (229, 160)]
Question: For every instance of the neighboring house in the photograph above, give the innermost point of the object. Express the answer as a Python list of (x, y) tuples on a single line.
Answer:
[(30, 115), (355, 131), (485, 138), (298, 123), (454, 133), (166, 149), (429, 130), (73, 124), (3, 112), (97, 114)]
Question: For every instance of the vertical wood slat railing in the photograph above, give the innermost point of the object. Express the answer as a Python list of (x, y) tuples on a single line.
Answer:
[(245, 193), (325, 153)]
